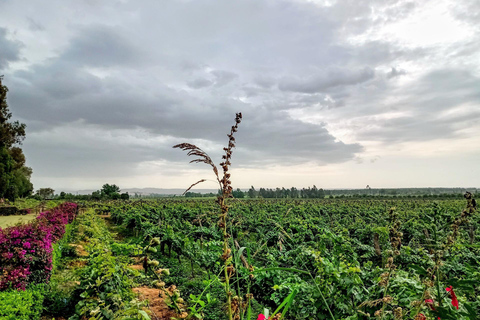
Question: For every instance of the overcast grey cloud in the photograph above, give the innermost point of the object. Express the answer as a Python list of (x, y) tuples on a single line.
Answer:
[(326, 79), (9, 50), (102, 46), (199, 83), (107, 92)]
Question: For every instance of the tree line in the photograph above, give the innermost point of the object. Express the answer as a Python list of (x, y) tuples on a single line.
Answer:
[(293, 193), (107, 192)]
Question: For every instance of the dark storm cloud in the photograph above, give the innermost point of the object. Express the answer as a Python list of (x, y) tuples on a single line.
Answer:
[(9, 50), (326, 79)]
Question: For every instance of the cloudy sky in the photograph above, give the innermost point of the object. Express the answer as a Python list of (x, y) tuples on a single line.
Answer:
[(339, 94)]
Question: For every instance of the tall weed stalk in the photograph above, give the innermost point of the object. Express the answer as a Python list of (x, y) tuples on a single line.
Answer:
[(226, 192)]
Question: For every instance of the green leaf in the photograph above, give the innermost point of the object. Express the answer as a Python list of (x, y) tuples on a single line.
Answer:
[(421, 271), (466, 284), (144, 315), (282, 269)]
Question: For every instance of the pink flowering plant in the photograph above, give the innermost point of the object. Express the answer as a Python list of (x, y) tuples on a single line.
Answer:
[(26, 250)]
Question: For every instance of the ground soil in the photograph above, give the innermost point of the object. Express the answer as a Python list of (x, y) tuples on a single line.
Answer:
[(156, 303), (79, 249)]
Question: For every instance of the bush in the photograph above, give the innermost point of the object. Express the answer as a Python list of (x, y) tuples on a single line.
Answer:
[(22, 305), (26, 250)]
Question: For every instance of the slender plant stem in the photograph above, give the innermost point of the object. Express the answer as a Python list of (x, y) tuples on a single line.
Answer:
[(323, 297), (437, 264), (225, 249)]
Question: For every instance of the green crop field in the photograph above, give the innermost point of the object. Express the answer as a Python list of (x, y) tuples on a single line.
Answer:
[(293, 258)]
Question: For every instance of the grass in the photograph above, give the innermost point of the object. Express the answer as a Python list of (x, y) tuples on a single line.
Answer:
[(8, 221)]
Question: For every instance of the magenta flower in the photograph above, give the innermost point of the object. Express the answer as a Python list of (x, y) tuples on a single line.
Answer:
[(35, 238)]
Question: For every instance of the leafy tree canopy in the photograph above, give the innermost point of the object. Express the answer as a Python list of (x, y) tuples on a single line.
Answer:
[(14, 175), (45, 193), (110, 190), (10, 132)]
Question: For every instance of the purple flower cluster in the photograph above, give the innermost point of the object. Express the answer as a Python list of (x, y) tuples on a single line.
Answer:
[(26, 250)]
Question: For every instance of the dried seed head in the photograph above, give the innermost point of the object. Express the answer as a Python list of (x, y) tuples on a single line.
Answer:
[(226, 254), (398, 313), (166, 272), (154, 263), (416, 303)]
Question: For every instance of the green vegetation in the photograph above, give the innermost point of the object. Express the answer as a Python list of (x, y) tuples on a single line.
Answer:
[(336, 253), (14, 175), (22, 305), (315, 258)]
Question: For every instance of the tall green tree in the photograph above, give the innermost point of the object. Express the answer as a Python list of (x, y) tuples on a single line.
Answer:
[(14, 176), (10, 132), (110, 190), (45, 193), (6, 177), (252, 193)]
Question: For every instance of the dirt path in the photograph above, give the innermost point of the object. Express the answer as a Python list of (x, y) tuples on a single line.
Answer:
[(156, 303), (159, 310)]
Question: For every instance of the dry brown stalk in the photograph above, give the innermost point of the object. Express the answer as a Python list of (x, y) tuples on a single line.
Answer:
[(193, 185), (376, 244), (226, 188)]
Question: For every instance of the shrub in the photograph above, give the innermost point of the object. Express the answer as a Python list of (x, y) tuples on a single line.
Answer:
[(26, 250), (22, 305)]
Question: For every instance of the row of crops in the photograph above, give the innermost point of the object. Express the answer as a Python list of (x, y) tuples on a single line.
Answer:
[(314, 259)]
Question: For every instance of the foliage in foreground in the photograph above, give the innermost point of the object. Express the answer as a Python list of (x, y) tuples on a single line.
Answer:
[(336, 248), (105, 285), (22, 305)]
